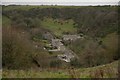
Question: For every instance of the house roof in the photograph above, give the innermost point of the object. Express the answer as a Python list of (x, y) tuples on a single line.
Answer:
[(48, 36), (70, 36), (56, 42)]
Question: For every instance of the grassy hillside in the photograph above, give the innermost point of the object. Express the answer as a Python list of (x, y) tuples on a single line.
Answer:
[(24, 53), (111, 44), (103, 71), (59, 27), (93, 21), (100, 50)]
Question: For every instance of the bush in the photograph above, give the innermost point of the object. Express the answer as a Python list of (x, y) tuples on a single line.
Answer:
[(16, 50), (75, 63), (56, 63), (37, 37)]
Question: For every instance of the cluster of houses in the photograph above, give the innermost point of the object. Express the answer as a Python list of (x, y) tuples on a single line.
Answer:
[(67, 56), (71, 37), (59, 46)]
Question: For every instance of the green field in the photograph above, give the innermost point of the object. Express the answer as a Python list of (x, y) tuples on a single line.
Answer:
[(103, 71), (57, 28)]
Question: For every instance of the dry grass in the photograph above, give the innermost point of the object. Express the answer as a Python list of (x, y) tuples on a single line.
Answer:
[(104, 71)]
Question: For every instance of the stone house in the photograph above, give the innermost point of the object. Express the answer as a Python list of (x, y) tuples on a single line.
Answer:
[(48, 36), (70, 37), (57, 44)]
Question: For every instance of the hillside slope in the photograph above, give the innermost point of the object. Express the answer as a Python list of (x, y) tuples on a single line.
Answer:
[(26, 49), (103, 71)]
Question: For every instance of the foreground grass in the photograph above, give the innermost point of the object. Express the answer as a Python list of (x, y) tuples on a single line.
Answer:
[(104, 71)]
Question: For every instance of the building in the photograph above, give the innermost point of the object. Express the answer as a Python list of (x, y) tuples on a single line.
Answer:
[(67, 56), (57, 45), (70, 37), (56, 42), (48, 36)]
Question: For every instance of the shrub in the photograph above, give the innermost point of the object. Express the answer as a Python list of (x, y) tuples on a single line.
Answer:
[(16, 50), (75, 63), (56, 63)]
